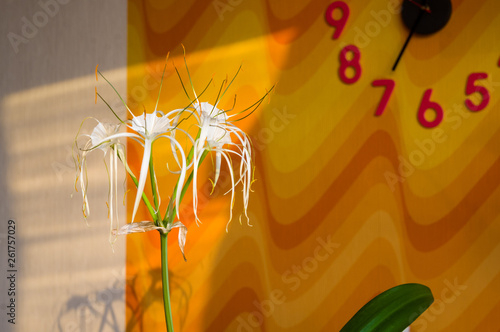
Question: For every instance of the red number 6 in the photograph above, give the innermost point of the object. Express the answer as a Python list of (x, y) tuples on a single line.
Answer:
[(427, 104)]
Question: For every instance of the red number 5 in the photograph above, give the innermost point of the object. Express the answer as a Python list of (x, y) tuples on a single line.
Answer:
[(472, 88)]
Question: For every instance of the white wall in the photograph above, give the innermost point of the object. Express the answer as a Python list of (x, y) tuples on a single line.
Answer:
[(67, 277)]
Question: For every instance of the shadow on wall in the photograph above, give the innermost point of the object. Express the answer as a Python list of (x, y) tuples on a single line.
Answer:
[(138, 304), (92, 312)]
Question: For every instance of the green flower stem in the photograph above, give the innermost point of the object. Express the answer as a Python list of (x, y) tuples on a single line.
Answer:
[(164, 279), (171, 214), (190, 178), (153, 182), (144, 197)]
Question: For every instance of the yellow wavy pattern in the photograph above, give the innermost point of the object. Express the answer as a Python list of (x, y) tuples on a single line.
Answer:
[(346, 204)]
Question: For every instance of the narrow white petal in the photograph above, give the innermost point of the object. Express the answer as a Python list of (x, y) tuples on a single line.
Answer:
[(181, 177), (217, 166), (83, 185), (112, 165), (182, 235), (195, 185), (232, 188), (142, 176)]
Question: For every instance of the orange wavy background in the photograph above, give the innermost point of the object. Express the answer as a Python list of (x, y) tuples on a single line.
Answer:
[(330, 228)]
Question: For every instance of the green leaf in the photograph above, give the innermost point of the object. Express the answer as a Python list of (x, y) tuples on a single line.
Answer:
[(393, 310)]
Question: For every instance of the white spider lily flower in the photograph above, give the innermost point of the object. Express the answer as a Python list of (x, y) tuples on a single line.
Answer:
[(150, 127), (218, 134), (103, 137), (213, 132)]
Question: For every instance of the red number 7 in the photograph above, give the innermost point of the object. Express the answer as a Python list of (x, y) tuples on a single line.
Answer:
[(389, 86)]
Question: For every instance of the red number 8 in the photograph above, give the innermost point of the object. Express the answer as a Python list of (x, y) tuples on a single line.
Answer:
[(353, 63)]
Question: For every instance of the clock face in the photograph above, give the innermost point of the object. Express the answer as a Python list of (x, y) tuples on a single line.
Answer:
[(438, 69)]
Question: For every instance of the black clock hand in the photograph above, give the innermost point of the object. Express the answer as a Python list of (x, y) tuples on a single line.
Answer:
[(412, 31), (423, 7)]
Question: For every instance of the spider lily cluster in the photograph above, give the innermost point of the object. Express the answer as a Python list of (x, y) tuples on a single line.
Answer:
[(216, 133)]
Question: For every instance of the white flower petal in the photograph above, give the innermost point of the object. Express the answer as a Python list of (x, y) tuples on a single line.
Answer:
[(142, 176), (105, 137), (139, 227), (215, 133), (182, 235), (101, 133)]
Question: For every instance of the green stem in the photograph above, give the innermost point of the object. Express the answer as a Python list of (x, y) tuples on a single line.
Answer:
[(144, 197), (171, 211), (153, 180), (164, 278)]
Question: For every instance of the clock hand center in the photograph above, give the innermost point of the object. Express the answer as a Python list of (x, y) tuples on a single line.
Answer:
[(412, 31), (421, 6)]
